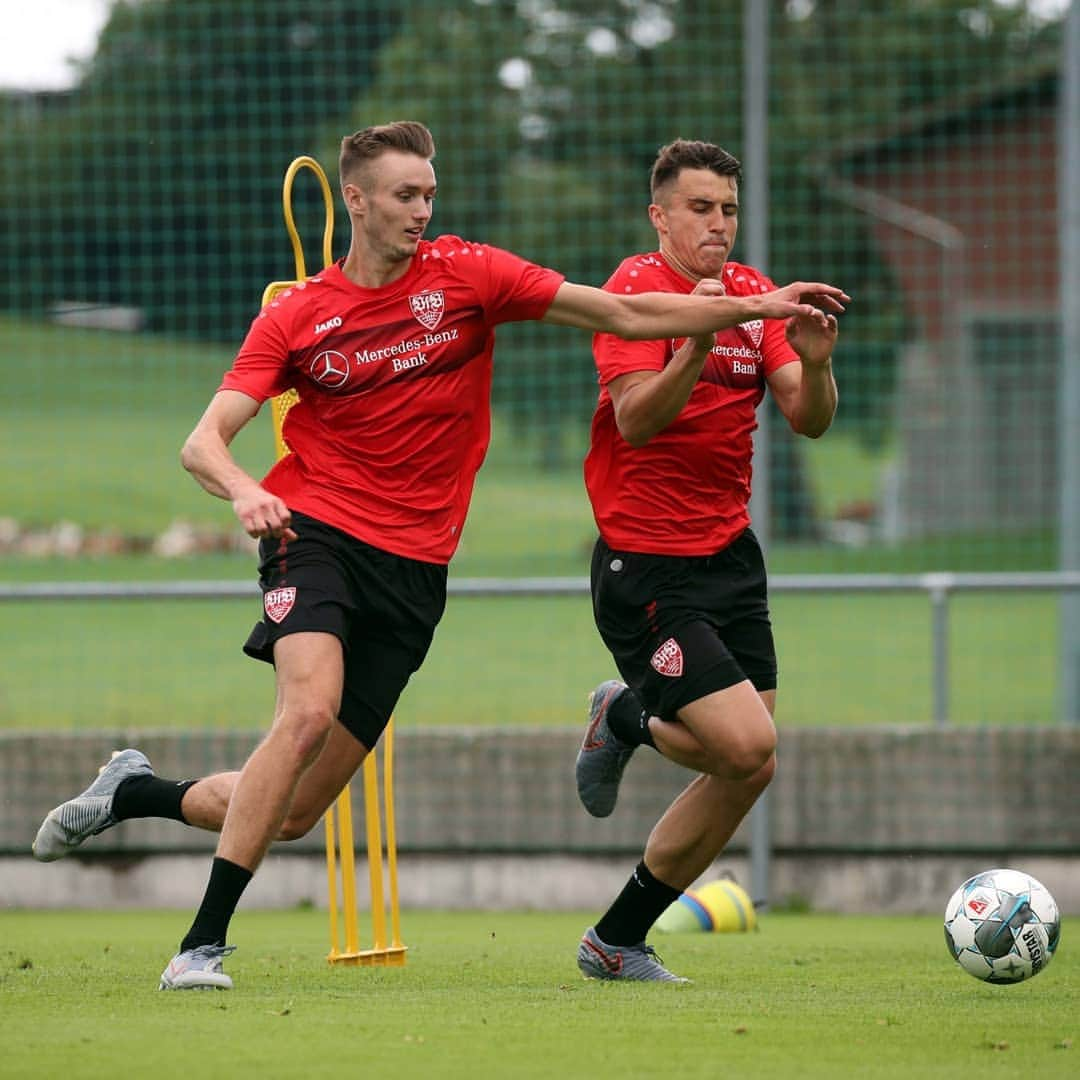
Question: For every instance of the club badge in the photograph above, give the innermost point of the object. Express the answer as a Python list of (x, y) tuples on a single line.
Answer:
[(428, 308), (277, 603)]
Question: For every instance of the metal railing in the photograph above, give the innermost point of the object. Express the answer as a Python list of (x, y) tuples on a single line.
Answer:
[(939, 588)]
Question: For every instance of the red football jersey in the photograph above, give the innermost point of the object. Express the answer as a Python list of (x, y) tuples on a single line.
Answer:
[(395, 385), (686, 491)]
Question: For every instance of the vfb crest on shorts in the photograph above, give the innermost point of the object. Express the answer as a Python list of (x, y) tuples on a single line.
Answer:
[(277, 603), (668, 659), (428, 308)]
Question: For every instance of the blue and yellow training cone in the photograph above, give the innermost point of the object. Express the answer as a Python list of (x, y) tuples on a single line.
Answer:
[(719, 906)]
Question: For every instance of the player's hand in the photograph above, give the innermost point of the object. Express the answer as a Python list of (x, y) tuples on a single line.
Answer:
[(813, 341), (707, 287), (263, 515), (808, 299)]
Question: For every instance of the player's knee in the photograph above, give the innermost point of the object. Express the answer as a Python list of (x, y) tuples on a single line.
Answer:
[(744, 759), (306, 729), (297, 826), (763, 777), (746, 762)]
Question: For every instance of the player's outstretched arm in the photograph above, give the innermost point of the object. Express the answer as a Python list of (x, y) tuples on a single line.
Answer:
[(653, 315), (207, 457)]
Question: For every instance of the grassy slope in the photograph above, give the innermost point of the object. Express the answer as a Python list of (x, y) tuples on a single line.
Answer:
[(498, 995)]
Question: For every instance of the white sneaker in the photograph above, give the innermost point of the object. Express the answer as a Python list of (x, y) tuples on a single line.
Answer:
[(66, 826), (198, 969), (635, 963)]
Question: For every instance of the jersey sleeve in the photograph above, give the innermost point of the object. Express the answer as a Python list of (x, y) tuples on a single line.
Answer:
[(513, 289), (260, 369), (615, 356)]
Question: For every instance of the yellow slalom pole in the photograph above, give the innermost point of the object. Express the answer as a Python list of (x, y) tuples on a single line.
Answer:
[(283, 402), (348, 873), (391, 835), (374, 852), (331, 883), (305, 162)]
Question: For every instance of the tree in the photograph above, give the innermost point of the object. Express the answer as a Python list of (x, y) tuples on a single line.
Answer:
[(159, 185)]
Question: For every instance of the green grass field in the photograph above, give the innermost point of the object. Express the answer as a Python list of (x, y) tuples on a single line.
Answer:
[(498, 995)]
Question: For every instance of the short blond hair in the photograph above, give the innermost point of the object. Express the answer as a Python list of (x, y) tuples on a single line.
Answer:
[(364, 146)]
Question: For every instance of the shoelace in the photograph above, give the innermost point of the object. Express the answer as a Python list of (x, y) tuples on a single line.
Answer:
[(213, 952)]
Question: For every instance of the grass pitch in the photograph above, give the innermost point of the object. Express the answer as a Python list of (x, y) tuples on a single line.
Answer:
[(498, 995)]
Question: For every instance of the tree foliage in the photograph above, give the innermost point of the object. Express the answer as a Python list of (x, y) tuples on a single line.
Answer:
[(162, 177)]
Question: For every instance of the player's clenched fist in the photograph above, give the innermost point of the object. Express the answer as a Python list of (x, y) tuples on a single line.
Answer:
[(263, 514)]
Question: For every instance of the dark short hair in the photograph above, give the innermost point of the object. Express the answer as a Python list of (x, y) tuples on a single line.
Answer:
[(691, 154), (406, 136)]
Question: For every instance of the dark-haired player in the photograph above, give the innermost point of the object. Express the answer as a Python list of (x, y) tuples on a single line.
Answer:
[(678, 579)]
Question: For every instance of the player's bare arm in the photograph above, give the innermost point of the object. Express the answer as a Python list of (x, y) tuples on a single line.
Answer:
[(806, 392), (653, 315), (646, 402), (207, 457)]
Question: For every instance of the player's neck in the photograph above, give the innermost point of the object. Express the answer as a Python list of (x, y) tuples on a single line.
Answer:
[(370, 271)]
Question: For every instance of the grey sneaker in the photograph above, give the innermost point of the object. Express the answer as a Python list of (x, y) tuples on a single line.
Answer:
[(639, 963), (66, 826), (198, 969), (602, 757)]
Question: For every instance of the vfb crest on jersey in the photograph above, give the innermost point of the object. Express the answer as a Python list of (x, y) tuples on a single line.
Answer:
[(428, 308), (754, 330)]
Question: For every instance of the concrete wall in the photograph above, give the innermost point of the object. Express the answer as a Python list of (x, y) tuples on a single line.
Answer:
[(869, 819)]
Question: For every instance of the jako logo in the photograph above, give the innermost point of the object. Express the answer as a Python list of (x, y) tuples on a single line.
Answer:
[(322, 327)]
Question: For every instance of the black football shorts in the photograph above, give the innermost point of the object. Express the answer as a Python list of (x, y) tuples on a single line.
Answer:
[(383, 607), (681, 627)]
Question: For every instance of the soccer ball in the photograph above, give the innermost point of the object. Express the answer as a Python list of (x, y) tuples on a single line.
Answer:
[(1002, 926)]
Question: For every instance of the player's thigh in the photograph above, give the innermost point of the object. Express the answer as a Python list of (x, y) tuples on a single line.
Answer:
[(378, 669), (734, 724), (401, 610), (310, 673)]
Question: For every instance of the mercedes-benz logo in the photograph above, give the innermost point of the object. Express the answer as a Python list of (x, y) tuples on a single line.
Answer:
[(330, 369)]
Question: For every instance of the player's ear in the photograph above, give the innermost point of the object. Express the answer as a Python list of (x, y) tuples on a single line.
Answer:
[(657, 217), (355, 202)]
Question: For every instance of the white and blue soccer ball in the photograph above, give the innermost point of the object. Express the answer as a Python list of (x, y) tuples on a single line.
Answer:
[(1002, 926)]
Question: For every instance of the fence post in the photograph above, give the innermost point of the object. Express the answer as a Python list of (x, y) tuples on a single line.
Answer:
[(938, 587)]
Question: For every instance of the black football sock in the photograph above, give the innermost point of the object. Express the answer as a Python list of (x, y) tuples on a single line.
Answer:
[(629, 720), (149, 796), (227, 883), (642, 901)]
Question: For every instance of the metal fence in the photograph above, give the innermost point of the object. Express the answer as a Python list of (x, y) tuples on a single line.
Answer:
[(921, 154), (938, 588)]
